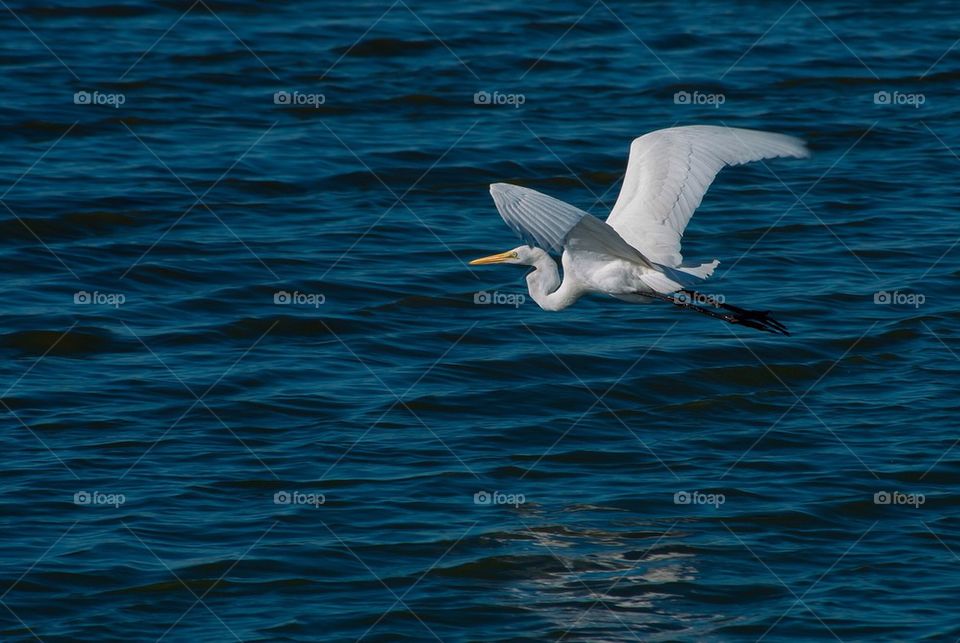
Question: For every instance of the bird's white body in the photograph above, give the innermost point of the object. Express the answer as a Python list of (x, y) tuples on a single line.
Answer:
[(584, 271), (635, 254)]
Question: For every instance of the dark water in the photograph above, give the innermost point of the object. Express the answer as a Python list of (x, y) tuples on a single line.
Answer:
[(182, 400)]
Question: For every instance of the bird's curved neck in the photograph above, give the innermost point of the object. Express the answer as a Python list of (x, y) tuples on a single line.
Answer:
[(545, 285)]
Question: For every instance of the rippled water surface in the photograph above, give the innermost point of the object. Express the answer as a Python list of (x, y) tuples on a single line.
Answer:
[(189, 457)]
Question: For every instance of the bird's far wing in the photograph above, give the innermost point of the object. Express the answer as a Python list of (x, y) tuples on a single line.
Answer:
[(668, 173), (539, 219)]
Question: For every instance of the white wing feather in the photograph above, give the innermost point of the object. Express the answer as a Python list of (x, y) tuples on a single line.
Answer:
[(540, 220), (553, 225), (668, 173)]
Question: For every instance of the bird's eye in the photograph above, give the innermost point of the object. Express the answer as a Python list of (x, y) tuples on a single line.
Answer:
[(514, 255)]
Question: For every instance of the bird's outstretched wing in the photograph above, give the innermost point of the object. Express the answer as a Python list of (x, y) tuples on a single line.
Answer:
[(553, 225), (668, 173), (540, 220)]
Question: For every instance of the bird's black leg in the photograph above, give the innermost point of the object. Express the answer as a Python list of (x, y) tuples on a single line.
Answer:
[(751, 318), (761, 317)]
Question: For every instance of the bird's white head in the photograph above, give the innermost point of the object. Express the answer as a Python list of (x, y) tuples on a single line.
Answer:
[(521, 255), (543, 281)]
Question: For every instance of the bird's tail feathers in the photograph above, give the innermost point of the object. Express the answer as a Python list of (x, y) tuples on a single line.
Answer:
[(702, 271), (667, 280)]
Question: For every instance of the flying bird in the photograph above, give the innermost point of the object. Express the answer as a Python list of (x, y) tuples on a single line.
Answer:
[(635, 254)]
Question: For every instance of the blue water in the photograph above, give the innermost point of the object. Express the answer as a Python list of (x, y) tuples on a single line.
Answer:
[(185, 459)]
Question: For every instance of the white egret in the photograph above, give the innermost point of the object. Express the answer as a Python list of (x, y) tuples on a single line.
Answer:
[(635, 255)]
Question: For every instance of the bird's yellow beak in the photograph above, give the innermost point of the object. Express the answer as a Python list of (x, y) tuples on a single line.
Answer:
[(500, 258)]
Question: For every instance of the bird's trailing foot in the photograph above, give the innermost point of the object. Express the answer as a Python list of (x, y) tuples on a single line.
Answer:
[(760, 320), (757, 319)]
